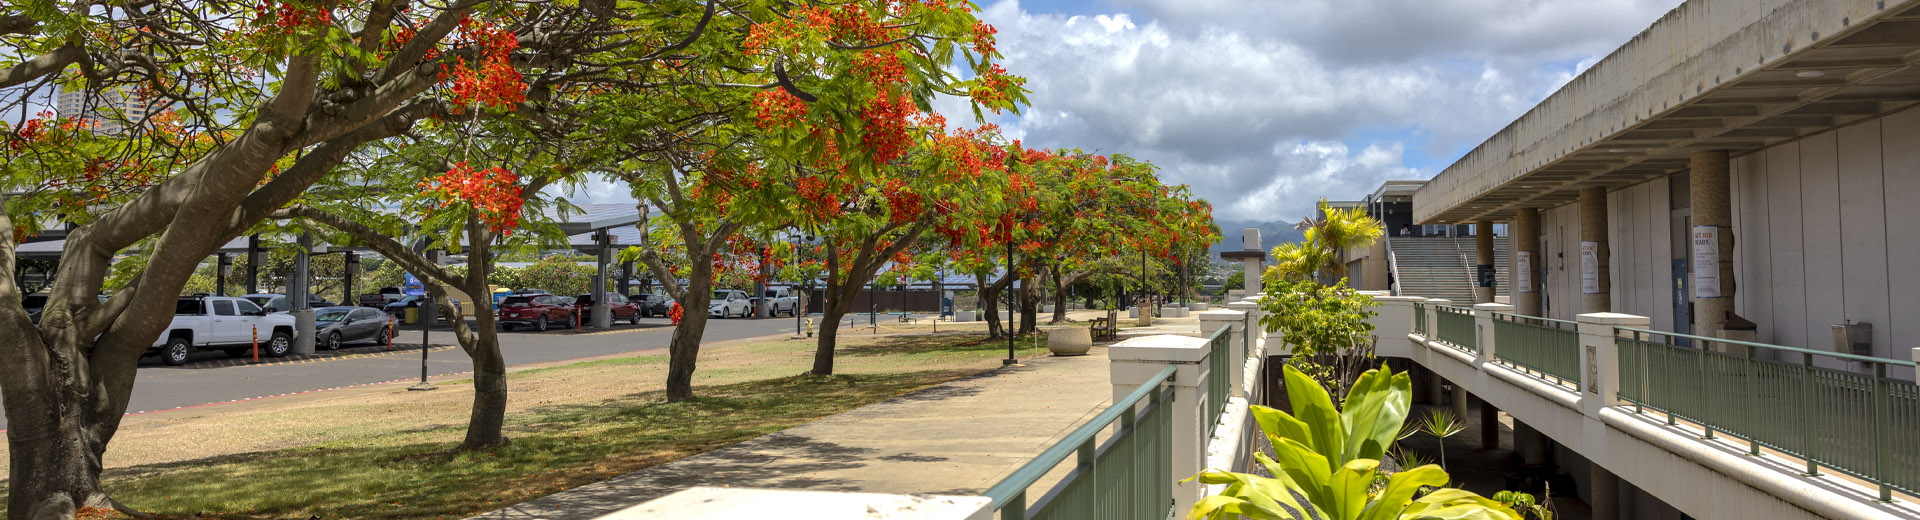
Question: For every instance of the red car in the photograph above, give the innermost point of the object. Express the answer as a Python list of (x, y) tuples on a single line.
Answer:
[(537, 310), (618, 305)]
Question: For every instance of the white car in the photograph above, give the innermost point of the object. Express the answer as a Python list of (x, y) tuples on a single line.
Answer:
[(228, 324), (728, 303)]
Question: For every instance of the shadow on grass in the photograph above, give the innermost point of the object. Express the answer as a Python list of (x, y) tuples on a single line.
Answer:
[(552, 449), (934, 344)]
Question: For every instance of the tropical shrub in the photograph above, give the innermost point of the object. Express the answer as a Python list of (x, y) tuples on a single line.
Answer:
[(1327, 462), (1325, 326)]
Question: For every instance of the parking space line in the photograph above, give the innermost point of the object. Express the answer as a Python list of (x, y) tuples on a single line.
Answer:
[(316, 358)]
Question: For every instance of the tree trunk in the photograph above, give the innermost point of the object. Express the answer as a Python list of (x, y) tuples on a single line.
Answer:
[(54, 448), (1029, 294), (489, 415), (990, 300), (830, 315), (683, 353)]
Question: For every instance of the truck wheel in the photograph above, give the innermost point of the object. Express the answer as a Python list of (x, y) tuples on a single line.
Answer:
[(333, 341), (175, 352), (278, 345), (540, 323)]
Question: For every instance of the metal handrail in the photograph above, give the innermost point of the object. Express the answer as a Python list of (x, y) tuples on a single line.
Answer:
[(1851, 422), (1498, 314), (1450, 330), (1010, 493), (1547, 346), (1849, 357)]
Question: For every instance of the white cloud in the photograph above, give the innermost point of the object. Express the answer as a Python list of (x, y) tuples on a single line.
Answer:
[(1261, 106)]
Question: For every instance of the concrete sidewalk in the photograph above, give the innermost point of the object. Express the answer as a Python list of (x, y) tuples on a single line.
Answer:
[(956, 438)]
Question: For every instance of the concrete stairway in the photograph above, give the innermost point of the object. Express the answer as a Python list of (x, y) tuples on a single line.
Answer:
[(1442, 267)]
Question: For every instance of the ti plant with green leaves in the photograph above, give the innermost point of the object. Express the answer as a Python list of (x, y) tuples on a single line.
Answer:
[(1327, 462)]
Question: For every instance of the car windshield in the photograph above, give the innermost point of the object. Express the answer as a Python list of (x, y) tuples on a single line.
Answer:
[(259, 300), (34, 301), (773, 293), (330, 315), (516, 301), (722, 295)]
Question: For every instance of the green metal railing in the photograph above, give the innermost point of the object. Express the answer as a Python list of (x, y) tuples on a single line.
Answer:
[(1456, 327), (1546, 346), (1219, 380), (1420, 319), (1836, 411), (1129, 477)]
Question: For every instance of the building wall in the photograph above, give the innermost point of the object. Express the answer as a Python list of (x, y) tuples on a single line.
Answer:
[(1822, 227)]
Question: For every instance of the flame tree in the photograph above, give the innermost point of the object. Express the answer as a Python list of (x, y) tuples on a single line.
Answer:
[(810, 89)]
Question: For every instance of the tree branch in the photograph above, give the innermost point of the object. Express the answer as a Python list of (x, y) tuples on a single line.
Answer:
[(380, 242), (42, 65)]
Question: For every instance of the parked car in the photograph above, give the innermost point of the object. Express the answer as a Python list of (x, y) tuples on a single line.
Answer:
[(279, 303), (337, 326), (617, 306), (222, 323), (728, 303), (653, 304), (539, 311), (779, 300), (398, 308), (531, 292), (379, 300), (34, 303)]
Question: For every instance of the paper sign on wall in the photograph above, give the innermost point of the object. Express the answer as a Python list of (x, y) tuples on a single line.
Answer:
[(1589, 268), (1523, 273), (1706, 261)]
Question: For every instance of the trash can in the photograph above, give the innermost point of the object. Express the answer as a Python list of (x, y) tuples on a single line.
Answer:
[(413, 315)]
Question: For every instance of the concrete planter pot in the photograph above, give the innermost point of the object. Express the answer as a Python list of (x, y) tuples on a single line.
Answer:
[(1196, 306), (1133, 312), (963, 316), (1046, 309), (1069, 341)]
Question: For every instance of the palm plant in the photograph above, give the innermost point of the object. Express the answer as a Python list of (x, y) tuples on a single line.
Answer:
[(1441, 424), (1327, 460), (1326, 237)]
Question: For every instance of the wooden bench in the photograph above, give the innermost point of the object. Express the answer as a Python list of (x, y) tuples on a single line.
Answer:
[(1106, 329)]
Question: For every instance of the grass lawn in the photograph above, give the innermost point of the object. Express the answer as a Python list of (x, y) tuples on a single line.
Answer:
[(384, 454)]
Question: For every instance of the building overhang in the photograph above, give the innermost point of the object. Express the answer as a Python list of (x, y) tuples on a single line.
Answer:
[(1726, 75)]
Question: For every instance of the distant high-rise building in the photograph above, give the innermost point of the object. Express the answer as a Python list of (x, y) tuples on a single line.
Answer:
[(110, 110)]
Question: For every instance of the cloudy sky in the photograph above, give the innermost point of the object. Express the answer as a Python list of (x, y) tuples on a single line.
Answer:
[(1265, 106)]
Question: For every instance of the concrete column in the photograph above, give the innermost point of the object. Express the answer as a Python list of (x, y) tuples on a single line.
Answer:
[(1134, 362), (1235, 321), (626, 278), (1483, 330), (1489, 426), (1250, 239), (1431, 389), (1712, 215), (297, 289), (602, 315), (1483, 256), (254, 258), (1531, 444), (1251, 311), (1458, 401), (1433, 315), (1600, 359), (1524, 241), (1605, 489), (1598, 296)]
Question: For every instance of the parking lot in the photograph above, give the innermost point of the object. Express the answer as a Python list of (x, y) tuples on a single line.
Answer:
[(213, 377)]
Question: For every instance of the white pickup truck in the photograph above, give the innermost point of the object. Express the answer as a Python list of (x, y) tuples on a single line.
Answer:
[(781, 300), (222, 323)]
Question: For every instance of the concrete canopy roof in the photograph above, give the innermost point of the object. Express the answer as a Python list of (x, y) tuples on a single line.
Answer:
[(1729, 75)]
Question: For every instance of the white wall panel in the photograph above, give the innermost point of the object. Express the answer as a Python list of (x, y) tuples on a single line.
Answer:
[(1753, 267), (1820, 237), (1863, 231), (1900, 144), (1789, 319)]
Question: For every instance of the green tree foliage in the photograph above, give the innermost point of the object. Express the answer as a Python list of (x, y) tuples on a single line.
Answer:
[(1327, 238), (1327, 462), (1326, 326)]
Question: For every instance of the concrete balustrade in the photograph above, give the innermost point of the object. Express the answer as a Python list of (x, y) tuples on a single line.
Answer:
[(1135, 361), (1483, 329), (1235, 321)]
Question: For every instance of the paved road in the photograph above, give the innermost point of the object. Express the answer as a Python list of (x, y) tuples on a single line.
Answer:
[(213, 378)]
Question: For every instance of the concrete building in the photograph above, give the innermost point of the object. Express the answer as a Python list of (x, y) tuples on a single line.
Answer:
[(111, 110), (1750, 160)]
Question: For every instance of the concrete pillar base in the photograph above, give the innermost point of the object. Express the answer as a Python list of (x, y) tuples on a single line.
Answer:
[(1489, 426), (303, 333), (1605, 490), (1459, 402)]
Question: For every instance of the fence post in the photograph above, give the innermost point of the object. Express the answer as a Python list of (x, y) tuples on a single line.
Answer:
[(1483, 336), (1433, 316), (1133, 362), (1600, 358), (1236, 320)]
